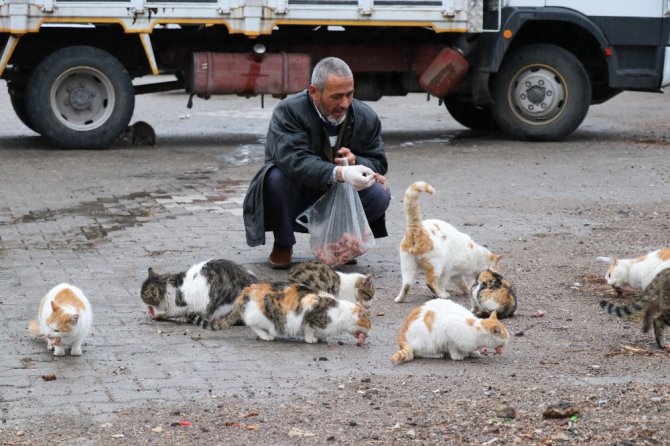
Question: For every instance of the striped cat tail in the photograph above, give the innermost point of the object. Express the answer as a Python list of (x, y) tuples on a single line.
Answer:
[(412, 210), (405, 354), (621, 311), (227, 321), (34, 328)]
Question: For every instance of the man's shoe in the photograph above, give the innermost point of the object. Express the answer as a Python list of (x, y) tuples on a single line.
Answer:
[(280, 257), (352, 262)]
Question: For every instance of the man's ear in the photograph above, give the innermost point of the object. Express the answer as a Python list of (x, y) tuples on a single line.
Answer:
[(313, 92)]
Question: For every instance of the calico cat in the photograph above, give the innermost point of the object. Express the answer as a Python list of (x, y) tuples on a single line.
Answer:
[(293, 309), (440, 250), (492, 293), (64, 319), (441, 326), (655, 301), (354, 287), (201, 295), (636, 272)]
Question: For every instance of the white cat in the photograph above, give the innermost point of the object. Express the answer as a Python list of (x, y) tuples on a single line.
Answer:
[(441, 326), (440, 250), (64, 319), (637, 272)]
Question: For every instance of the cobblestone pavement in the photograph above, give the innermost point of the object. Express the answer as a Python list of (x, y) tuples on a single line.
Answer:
[(99, 219)]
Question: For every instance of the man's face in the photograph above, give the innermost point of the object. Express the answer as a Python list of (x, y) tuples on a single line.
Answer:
[(335, 99)]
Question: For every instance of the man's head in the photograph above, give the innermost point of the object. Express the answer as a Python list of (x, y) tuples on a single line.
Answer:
[(332, 89)]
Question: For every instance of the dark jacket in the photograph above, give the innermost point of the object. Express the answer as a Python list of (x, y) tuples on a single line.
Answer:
[(297, 143)]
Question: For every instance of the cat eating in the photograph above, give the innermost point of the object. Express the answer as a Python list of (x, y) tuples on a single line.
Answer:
[(64, 319), (492, 293), (354, 287), (440, 250), (441, 326), (202, 295), (636, 272), (655, 301), (292, 309)]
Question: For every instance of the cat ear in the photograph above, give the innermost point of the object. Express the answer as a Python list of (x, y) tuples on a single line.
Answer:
[(493, 316), (613, 260), (54, 306), (368, 279), (152, 273), (74, 319)]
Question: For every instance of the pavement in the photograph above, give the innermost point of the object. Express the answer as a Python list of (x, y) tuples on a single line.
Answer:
[(100, 219)]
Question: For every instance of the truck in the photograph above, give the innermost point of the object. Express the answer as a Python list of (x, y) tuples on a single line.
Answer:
[(528, 68)]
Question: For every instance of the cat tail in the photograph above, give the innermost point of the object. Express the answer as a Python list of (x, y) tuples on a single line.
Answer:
[(622, 310), (34, 328), (412, 210), (405, 354), (227, 321)]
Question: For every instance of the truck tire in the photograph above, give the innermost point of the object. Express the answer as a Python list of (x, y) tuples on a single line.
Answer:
[(541, 93), (466, 113), (80, 97), (17, 96)]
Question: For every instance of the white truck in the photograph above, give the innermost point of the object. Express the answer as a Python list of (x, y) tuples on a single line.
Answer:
[(531, 68)]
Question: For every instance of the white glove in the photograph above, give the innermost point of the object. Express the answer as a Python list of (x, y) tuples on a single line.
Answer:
[(360, 177)]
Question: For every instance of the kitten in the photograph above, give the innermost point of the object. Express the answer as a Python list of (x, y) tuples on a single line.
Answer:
[(354, 287), (139, 134), (440, 250), (293, 309), (201, 295), (441, 326), (637, 272), (64, 319), (491, 293), (655, 301)]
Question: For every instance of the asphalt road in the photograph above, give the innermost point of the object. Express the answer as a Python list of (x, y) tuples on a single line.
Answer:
[(99, 219)]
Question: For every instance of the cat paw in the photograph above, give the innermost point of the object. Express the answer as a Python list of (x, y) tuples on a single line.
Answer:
[(399, 299), (76, 351), (58, 351), (311, 340), (477, 354)]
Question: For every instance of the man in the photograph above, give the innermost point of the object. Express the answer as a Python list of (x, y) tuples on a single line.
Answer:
[(316, 137)]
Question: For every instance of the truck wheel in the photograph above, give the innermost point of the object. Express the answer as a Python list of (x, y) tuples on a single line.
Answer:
[(18, 99), (542, 93), (80, 97), (468, 114)]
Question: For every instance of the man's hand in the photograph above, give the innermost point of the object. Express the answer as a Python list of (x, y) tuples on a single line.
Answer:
[(360, 177), (345, 154)]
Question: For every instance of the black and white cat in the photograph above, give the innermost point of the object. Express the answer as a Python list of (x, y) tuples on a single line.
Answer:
[(201, 295)]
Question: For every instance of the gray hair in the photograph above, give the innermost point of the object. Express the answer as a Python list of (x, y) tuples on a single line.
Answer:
[(328, 66)]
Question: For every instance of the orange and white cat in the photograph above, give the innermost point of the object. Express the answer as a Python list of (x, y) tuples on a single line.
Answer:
[(64, 319), (441, 326), (440, 250), (636, 272), (286, 309)]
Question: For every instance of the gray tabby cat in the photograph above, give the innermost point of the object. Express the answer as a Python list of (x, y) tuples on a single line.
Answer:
[(201, 295), (354, 287), (655, 301)]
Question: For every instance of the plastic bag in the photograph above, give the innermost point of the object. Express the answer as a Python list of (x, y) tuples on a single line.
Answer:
[(339, 231)]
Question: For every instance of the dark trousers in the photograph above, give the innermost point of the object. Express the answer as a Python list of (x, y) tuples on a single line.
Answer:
[(284, 200)]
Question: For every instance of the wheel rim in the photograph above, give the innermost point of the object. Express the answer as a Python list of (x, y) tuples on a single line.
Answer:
[(538, 94), (82, 98)]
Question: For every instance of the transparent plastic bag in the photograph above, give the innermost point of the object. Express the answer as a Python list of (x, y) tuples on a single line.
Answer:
[(339, 231)]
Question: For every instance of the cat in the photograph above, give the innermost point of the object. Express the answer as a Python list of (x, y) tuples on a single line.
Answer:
[(441, 326), (64, 319), (491, 293), (655, 301), (440, 250), (201, 295), (287, 309), (354, 287), (636, 272), (139, 134)]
